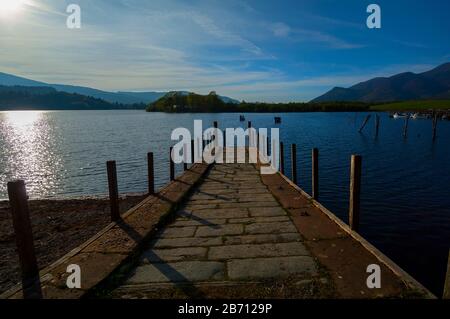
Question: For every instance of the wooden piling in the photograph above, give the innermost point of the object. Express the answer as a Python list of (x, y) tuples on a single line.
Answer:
[(446, 294), (216, 124), (315, 173), (113, 190), (435, 120), (364, 123), (171, 165), (18, 202), (405, 128), (249, 125), (282, 158), (377, 124), (355, 192), (151, 174), (294, 163)]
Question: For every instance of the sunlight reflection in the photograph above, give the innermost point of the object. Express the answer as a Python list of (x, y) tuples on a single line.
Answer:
[(27, 141)]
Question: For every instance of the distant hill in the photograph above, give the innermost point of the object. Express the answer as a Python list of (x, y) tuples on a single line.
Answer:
[(48, 98), (431, 85), (112, 97)]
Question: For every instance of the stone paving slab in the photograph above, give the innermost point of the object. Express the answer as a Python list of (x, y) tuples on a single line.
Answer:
[(187, 242), (174, 254), (186, 271), (220, 230), (270, 228), (262, 268), (261, 238), (261, 250)]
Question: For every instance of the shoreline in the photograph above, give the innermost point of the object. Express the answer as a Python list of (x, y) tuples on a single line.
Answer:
[(59, 225)]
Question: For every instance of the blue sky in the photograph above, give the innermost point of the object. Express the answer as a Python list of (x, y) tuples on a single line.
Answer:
[(253, 50)]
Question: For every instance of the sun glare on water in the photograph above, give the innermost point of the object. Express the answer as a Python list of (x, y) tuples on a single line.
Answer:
[(9, 8)]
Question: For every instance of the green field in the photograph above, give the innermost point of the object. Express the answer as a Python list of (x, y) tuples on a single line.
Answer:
[(413, 106)]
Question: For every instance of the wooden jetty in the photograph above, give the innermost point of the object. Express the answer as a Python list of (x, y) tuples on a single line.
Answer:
[(223, 231)]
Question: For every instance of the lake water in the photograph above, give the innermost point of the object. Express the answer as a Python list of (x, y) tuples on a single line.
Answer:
[(405, 200)]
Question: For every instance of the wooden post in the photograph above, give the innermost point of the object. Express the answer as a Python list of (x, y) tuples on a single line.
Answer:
[(446, 294), (249, 124), (282, 158), (18, 201), (377, 124), (171, 165), (435, 119), (294, 163), (405, 128), (151, 174), (315, 173), (364, 123), (216, 125), (355, 192), (113, 190), (192, 152), (185, 157)]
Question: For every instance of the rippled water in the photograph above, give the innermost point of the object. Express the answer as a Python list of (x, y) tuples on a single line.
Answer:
[(406, 182)]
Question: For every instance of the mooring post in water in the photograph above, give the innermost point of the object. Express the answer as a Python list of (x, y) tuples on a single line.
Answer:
[(435, 120), (355, 192), (377, 124), (294, 163), (446, 294), (151, 174), (364, 123), (282, 158), (405, 128), (171, 165), (113, 190), (18, 202), (216, 124), (315, 173), (249, 124)]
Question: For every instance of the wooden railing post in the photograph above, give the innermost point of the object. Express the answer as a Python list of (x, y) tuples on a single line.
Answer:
[(192, 152), (446, 294), (18, 201), (294, 163), (315, 173), (185, 157), (113, 190), (171, 165), (355, 192), (282, 158), (151, 174)]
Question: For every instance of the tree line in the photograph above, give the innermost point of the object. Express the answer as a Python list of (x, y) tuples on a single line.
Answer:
[(179, 102)]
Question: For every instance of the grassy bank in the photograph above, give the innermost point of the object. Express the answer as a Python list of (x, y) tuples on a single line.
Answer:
[(413, 106)]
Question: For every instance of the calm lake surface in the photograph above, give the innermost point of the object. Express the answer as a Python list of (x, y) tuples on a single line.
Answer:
[(405, 200)]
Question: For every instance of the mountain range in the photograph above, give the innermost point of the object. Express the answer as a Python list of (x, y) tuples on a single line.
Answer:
[(111, 97), (430, 85)]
